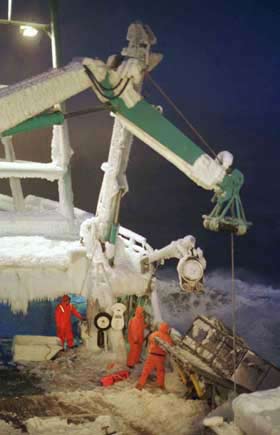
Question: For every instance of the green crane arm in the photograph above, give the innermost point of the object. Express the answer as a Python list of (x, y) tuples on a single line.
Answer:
[(22, 108), (149, 125)]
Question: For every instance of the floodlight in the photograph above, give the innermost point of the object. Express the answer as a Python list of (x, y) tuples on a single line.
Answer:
[(28, 31)]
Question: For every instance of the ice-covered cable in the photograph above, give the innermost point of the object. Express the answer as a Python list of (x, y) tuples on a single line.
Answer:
[(99, 87)]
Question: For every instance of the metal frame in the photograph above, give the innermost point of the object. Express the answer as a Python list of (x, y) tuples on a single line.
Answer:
[(64, 182)]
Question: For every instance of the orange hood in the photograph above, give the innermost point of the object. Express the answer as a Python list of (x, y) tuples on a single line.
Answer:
[(164, 327), (65, 299), (139, 312)]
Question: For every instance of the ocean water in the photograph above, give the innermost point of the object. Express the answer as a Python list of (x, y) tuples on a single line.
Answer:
[(257, 308)]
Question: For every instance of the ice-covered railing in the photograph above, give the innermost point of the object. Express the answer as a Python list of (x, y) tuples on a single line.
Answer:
[(134, 241)]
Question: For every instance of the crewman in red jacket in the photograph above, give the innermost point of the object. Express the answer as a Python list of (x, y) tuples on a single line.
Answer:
[(63, 313), (156, 357), (136, 328)]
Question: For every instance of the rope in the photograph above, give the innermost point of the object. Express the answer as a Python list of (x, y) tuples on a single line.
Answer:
[(233, 300), (180, 113)]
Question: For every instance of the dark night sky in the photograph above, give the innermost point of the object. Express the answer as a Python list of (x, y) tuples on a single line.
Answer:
[(221, 67)]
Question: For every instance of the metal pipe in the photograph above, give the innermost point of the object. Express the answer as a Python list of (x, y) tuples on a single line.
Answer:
[(10, 9), (55, 36), (38, 26)]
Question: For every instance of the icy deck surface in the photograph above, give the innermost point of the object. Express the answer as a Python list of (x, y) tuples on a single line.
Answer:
[(36, 251), (74, 394)]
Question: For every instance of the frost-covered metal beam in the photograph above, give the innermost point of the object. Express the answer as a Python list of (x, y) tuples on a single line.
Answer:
[(47, 171), (15, 183), (115, 185), (31, 97), (27, 99)]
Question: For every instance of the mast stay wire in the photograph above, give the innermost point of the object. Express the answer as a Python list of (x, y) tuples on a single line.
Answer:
[(181, 114)]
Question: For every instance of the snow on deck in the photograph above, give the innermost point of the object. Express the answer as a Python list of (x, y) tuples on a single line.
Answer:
[(74, 395), (40, 217), (36, 251)]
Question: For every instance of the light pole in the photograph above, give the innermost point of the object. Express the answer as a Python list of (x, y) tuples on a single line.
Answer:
[(30, 29), (54, 34)]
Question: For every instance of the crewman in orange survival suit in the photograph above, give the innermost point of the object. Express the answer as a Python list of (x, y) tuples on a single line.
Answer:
[(63, 313), (136, 328), (156, 357)]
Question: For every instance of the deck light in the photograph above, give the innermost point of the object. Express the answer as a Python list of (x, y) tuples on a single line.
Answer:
[(28, 31)]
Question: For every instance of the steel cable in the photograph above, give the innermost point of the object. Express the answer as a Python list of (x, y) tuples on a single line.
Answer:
[(99, 87), (233, 302), (180, 113)]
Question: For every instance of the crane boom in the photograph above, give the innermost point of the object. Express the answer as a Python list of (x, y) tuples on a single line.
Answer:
[(116, 87), (150, 126)]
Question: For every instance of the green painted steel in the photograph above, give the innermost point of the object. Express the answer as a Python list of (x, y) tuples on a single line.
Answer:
[(113, 233), (41, 121), (152, 122), (232, 184), (228, 214)]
